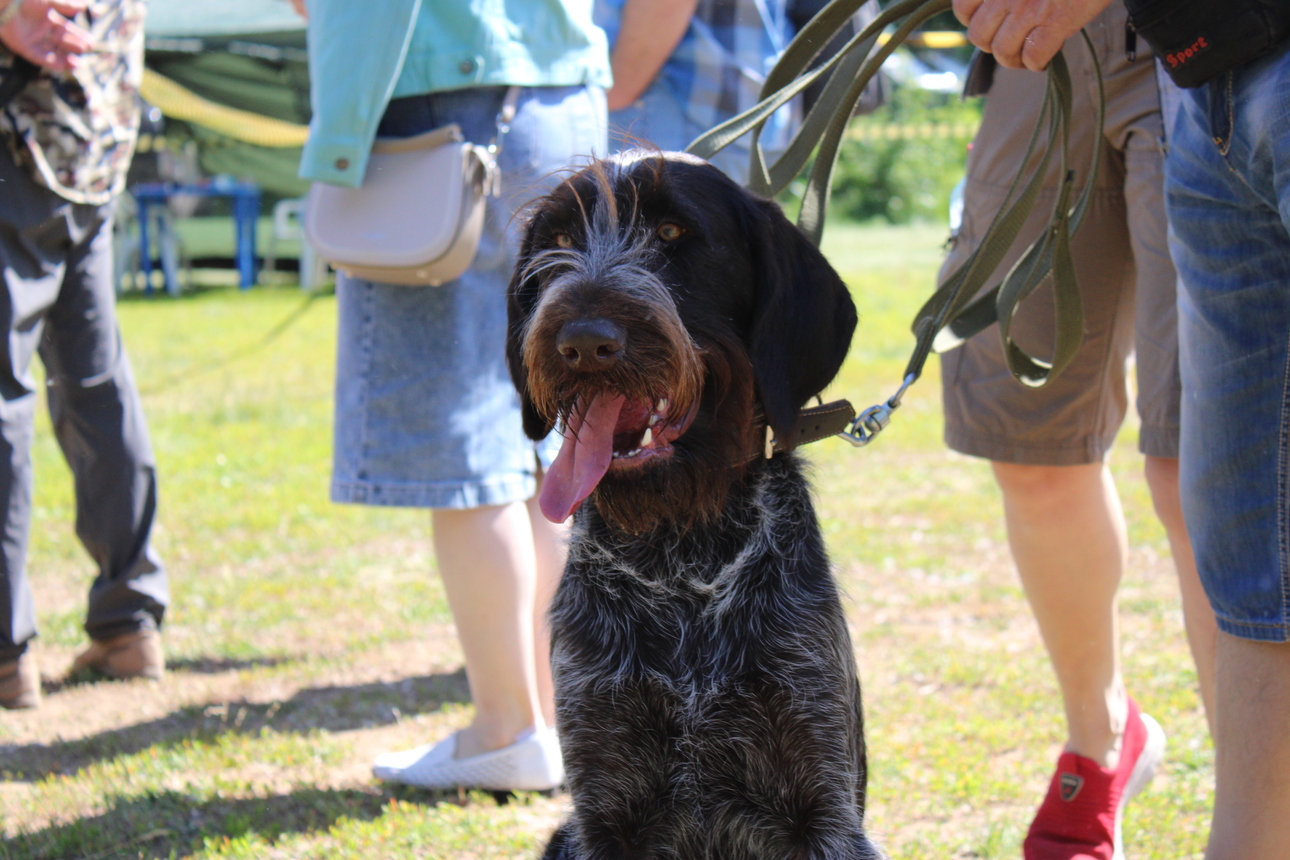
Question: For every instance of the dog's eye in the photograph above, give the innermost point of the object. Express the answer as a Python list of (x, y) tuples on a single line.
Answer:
[(564, 240), (670, 232)]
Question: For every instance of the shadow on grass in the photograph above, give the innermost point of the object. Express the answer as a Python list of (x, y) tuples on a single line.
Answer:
[(217, 665), (331, 709), (166, 823), (196, 665), (196, 290)]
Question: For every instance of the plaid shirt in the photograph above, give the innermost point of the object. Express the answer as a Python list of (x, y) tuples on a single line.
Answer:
[(719, 67)]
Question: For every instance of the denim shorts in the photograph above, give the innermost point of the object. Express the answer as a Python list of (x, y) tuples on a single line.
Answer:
[(1228, 193), (426, 415)]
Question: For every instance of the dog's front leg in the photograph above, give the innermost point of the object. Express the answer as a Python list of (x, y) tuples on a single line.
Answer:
[(623, 768), (562, 845)]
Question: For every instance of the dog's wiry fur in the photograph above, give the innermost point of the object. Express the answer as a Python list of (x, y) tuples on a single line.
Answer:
[(707, 697)]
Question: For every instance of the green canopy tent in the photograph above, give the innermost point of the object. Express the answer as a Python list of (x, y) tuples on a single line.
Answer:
[(243, 55)]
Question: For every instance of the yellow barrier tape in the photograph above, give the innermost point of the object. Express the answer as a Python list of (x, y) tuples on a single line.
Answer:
[(911, 131), (939, 39), (179, 102)]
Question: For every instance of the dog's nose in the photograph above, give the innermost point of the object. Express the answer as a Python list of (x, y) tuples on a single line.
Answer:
[(591, 344)]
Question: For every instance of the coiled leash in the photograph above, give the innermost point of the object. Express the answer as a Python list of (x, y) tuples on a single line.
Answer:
[(955, 311)]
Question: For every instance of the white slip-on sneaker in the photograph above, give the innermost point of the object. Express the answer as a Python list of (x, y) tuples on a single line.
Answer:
[(532, 763)]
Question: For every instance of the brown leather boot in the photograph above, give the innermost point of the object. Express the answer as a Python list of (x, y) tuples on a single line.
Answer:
[(20, 683), (130, 655)]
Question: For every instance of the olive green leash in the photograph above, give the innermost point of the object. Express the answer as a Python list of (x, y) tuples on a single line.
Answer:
[(961, 306)]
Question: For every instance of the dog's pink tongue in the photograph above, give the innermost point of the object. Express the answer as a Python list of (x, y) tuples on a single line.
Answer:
[(583, 459)]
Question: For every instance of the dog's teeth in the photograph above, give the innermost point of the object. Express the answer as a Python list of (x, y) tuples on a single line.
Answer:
[(661, 406), (653, 419), (647, 437)]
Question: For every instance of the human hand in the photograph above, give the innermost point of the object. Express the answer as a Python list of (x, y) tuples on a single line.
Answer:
[(648, 33), (42, 31), (299, 6), (1025, 33)]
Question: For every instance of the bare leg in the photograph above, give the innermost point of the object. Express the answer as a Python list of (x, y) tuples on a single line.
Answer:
[(1067, 534), (550, 544), (1198, 615), (489, 568), (1252, 751)]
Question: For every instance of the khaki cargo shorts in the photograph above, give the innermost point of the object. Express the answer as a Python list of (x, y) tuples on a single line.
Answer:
[(1126, 280)]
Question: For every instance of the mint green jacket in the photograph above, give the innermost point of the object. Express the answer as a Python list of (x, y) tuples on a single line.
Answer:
[(362, 54)]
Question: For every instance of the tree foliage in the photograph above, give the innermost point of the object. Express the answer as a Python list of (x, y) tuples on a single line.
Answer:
[(900, 163)]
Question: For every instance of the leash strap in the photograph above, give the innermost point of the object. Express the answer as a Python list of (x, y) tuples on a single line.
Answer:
[(959, 308), (955, 312)]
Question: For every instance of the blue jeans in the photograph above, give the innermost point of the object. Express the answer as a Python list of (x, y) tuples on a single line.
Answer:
[(426, 415), (1228, 196)]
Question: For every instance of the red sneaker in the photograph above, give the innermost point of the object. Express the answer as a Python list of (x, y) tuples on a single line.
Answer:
[(1080, 817)]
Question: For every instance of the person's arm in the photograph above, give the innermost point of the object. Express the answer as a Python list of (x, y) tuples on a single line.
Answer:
[(354, 61), (1025, 33), (648, 33), (42, 31)]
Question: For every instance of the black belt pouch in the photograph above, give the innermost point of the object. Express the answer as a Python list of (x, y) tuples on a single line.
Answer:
[(1197, 40)]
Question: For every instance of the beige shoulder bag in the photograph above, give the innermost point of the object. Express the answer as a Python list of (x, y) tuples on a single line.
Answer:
[(418, 215)]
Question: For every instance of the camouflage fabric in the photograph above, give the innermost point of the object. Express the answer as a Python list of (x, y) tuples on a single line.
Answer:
[(75, 132)]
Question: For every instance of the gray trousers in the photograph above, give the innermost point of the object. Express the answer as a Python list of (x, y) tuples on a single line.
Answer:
[(59, 300)]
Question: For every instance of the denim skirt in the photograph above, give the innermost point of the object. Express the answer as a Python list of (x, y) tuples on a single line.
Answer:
[(426, 415)]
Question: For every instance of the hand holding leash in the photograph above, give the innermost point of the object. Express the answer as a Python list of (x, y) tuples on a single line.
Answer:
[(1024, 34)]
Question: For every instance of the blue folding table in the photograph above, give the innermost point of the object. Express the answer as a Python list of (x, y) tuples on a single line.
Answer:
[(246, 213)]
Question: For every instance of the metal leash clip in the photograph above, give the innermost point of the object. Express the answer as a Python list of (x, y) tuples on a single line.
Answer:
[(869, 423)]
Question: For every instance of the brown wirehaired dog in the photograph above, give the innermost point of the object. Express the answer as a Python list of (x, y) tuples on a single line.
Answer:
[(707, 698)]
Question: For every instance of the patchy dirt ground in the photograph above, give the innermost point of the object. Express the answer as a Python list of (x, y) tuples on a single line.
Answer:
[(932, 648), (307, 638)]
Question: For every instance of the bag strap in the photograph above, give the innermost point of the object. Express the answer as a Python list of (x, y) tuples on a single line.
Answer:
[(482, 159), (426, 140), (505, 115)]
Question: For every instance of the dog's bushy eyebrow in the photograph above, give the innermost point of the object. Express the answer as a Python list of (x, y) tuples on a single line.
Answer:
[(608, 247), (547, 263)]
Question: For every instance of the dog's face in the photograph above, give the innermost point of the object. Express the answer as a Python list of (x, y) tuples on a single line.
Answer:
[(664, 316)]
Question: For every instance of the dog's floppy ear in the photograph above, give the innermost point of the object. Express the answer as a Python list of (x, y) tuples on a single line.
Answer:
[(521, 297), (802, 320)]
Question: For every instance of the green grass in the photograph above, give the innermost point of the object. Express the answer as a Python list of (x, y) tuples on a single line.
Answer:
[(306, 637)]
